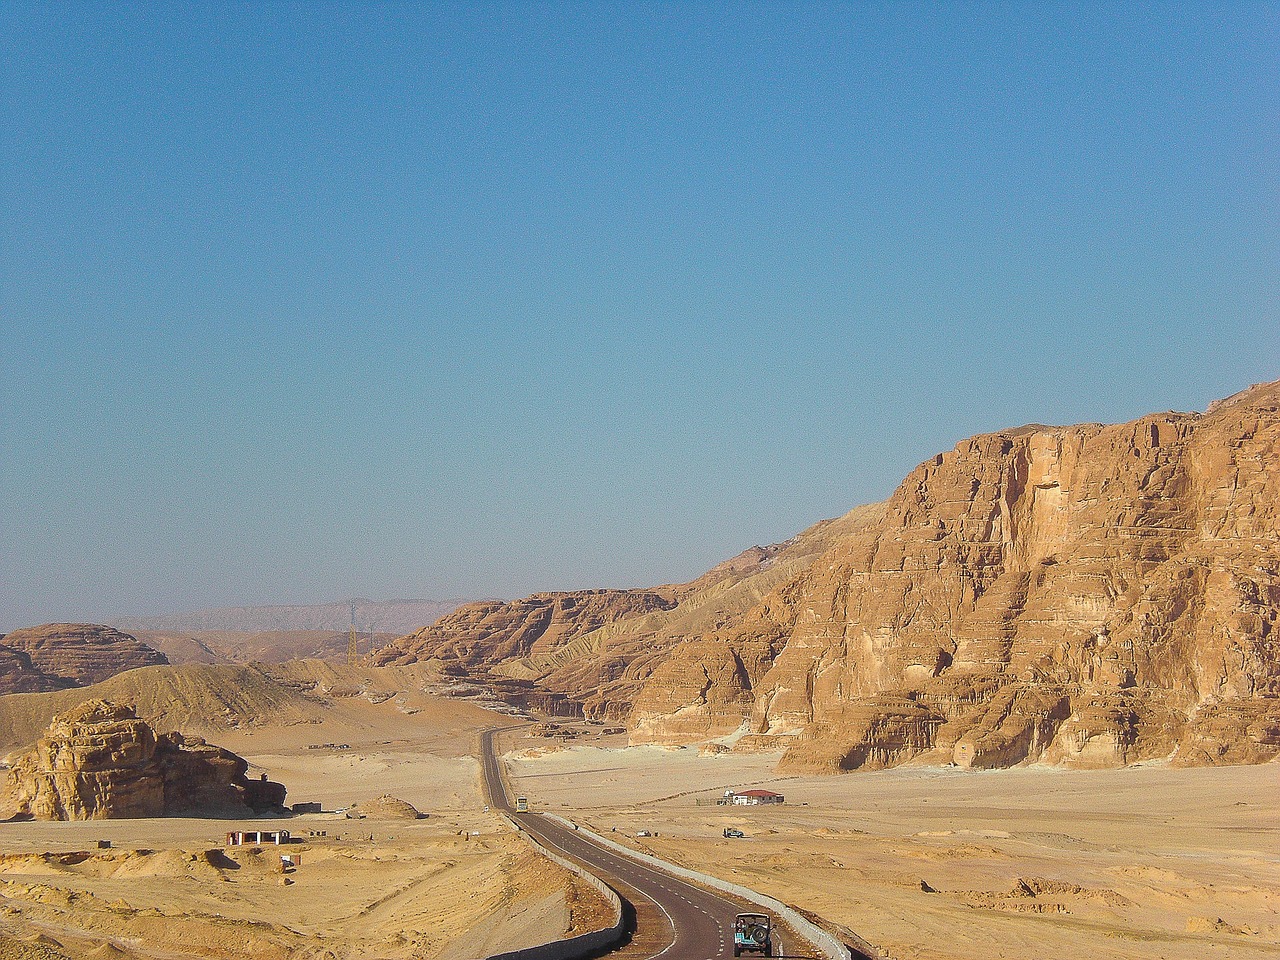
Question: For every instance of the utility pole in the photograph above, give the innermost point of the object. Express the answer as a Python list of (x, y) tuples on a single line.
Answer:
[(353, 644)]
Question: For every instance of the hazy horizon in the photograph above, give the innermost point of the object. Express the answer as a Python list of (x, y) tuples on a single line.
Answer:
[(305, 303)]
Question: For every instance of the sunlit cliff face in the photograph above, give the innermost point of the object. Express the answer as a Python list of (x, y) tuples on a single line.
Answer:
[(1089, 594)]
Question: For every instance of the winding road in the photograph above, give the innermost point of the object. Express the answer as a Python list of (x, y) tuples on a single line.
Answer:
[(674, 920)]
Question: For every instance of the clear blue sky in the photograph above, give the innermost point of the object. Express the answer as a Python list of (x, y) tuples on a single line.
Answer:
[(303, 302)]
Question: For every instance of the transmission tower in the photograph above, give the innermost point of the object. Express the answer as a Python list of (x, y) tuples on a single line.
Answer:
[(353, 644)]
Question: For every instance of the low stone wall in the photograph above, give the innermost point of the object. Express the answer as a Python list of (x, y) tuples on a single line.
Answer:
[(583, 944), (829, 947)]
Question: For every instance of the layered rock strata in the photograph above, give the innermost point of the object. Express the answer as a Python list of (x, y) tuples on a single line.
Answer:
[(19, 675), (1088, 595), (479, 639), (99, 761), (493, 631), (55, 656), (591, 652)]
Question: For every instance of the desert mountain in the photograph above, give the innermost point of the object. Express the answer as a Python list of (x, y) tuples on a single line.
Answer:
[(592, 651), (54, 656), (382, 616), (1087, 595), (303, 701)]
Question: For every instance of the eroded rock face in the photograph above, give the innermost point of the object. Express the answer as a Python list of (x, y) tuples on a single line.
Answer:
[(72, 655), (1087, 595), (1090, 595), (704, 692), (100, 761), (19, 675), (543, 652), (491, 632), (593, 652)]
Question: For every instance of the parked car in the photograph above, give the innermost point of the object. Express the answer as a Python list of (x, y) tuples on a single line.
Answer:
[(731, 832)]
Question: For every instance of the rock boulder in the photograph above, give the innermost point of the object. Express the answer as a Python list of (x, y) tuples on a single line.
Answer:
[(100, 761)]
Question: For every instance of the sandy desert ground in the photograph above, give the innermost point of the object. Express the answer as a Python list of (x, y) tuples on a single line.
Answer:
[(452, 886), (1148, 862), (1145, 862)]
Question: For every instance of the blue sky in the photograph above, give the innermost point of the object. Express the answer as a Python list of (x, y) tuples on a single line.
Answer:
[(303, 302)]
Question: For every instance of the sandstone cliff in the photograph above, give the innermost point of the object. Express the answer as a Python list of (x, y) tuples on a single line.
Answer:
[(483, 632), (480, 638), (59, 655), (99, 761), (1088, 595)]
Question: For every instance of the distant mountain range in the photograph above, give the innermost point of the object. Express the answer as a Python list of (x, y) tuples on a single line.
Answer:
[(382, 616)]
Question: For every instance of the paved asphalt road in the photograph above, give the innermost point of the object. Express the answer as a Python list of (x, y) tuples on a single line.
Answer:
[(673, 919)]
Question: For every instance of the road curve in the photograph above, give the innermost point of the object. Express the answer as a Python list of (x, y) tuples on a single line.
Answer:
[(674, 919)]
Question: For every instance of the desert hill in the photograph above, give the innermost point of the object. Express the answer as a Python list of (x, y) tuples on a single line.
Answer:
[(54, 656), (1087, 595), (302, 701)]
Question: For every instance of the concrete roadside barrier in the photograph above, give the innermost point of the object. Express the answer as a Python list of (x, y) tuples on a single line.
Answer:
[(585, 943), (829, 946)]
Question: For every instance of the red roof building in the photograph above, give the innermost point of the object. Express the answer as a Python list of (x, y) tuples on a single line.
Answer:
[(752, 797)]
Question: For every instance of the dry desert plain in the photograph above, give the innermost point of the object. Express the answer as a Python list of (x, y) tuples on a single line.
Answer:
[(924, 863), (1144, 862), (454, 885)]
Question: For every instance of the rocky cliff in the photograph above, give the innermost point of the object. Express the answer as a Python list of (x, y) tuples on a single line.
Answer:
[(488, 631), (99, 761), (479, 639), (1089, 596), (55, 656)]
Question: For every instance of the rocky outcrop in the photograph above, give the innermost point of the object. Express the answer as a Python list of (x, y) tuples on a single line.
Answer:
[(62, 655), (99, 761), (1088, 595), (495, 642), (385, 807), (704, 693)]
